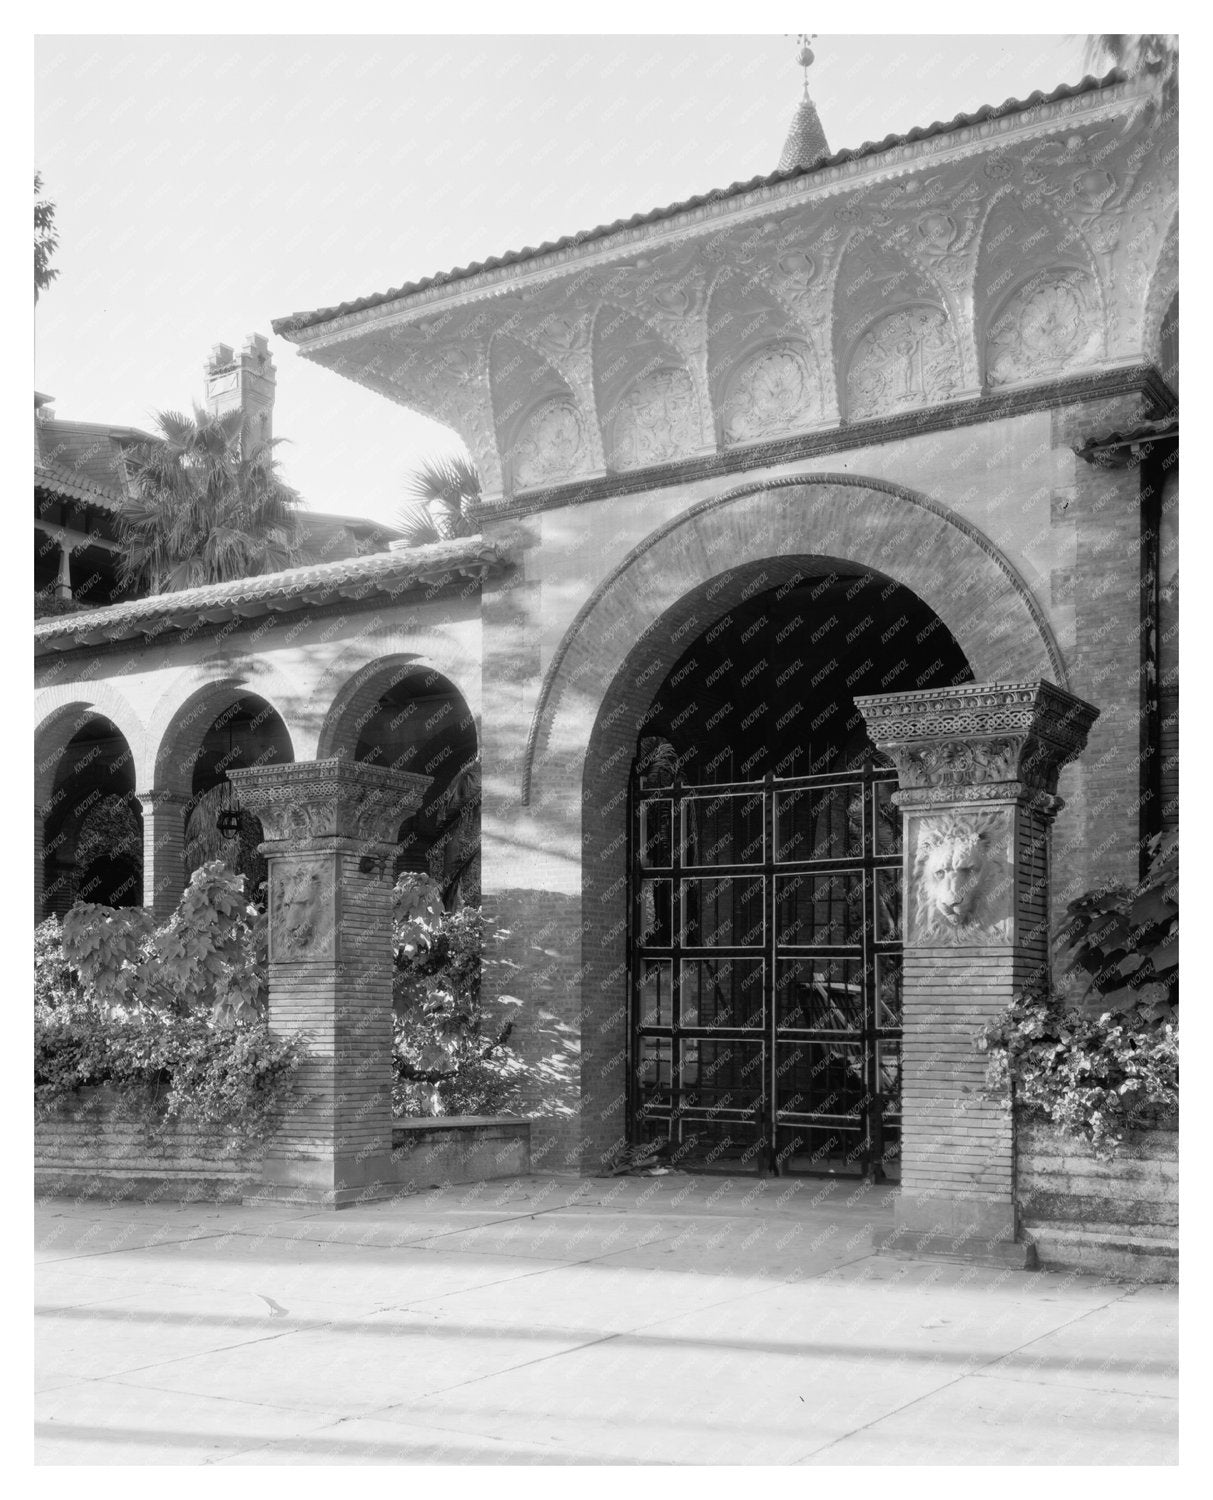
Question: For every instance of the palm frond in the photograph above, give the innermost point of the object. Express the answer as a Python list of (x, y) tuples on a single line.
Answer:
[(448, 477)]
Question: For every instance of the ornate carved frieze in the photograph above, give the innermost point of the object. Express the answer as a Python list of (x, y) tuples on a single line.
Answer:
[(979, 737), (551, 445), (657, 420), (311, 804), (961, 865), (773, 391), (909, 358), (1048, 326), (1090, 180)]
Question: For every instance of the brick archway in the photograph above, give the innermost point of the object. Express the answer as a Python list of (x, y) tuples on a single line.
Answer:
[(883, 528), (58, 722), (181, 741), (675, 587)]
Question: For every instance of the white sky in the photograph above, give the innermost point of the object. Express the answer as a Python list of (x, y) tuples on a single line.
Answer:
[(205, 185)]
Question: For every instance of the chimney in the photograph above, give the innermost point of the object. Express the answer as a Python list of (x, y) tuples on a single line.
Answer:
[(246, 382)]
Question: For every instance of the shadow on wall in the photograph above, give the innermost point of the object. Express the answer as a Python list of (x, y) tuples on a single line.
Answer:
[(533, 960)]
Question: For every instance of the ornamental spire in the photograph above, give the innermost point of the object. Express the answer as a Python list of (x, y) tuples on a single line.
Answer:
[(806, 145)]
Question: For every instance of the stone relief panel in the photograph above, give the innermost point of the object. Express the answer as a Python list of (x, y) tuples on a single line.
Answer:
[(551, 445), (908, 359), (658, 419), (1048, 326), (962, 878), (302, 910), (772, 392)]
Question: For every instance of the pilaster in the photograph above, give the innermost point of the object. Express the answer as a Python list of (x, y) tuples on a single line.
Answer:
[(163, 846), (330, 830), (977, 767)]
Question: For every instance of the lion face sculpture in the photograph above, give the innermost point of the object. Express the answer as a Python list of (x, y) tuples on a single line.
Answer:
[(960, 880)]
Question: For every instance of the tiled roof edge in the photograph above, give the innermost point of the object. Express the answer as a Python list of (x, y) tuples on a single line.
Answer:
[(297, 322), (377, 572)]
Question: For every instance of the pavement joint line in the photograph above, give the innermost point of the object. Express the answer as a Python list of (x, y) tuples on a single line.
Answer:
[(1066, 1385), (618, 1333), (957, 1379), (184, 1239)]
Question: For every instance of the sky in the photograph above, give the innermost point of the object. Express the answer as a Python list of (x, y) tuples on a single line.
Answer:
[(205, 185)]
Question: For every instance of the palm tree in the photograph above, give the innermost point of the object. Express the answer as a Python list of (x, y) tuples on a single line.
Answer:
[(440, 493), (204, 508)]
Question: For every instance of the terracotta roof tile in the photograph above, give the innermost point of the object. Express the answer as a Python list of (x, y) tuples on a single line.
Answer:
[(301, 320), (388, 573)]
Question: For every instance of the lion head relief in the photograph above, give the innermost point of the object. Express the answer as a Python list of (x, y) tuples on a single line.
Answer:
[(961, 879)]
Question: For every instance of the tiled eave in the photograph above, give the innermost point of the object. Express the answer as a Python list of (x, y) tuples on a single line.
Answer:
[(991, 123), (379, 576), (53, 479)]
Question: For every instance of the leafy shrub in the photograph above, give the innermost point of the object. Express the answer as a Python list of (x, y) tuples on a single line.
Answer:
[(448, 1059), (1092, 1076), (1121, 946), (1099, 1055), (210, 954), (172, 1017)]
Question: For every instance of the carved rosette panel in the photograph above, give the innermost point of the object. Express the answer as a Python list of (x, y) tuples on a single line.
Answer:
[(657, 420), (772, 392), (962, 878), (303, 910), (551, 445), (907, 359), (1046, 327)]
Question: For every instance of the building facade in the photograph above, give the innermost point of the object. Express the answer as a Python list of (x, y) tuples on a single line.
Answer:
[(896, 421)]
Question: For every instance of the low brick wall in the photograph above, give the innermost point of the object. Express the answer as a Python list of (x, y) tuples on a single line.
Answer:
[(88, 1149), (473, 1148), (1117, 1217)]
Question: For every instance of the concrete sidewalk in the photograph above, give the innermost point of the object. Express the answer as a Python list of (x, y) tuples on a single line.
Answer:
[(665, 1320)]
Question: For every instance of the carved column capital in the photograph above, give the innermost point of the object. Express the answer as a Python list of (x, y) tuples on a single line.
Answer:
[(978, 741), (977, 766), (156, 797), (316, 805)]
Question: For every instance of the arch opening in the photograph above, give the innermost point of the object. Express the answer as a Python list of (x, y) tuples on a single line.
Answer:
[(415, 719), (246, 731), (740, 812), (93, 826)]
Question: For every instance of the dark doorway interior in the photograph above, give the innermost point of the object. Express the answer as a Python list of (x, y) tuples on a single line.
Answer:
[(765, 947)]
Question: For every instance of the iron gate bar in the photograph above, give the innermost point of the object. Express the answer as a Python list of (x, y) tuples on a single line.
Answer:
[(681, 872)]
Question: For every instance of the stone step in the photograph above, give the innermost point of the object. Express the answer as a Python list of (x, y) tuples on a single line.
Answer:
[(1122, 1250)]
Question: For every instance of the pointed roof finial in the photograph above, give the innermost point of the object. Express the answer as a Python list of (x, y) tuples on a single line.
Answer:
[(806, 145), (805, 56)]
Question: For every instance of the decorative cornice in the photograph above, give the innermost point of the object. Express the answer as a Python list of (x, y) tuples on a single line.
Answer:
[(1135, 379), (994, 735)]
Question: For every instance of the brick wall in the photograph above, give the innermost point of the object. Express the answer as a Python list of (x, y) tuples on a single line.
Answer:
[(88, 1149), (1119, 1217)]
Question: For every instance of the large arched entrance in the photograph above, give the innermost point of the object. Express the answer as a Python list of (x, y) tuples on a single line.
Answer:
[(764, 878), (603, 691)]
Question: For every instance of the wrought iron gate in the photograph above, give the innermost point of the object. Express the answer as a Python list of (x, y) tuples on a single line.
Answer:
[(765, 971)]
